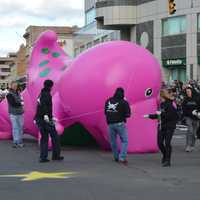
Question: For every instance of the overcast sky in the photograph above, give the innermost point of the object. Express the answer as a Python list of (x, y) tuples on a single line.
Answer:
[(17, 15)]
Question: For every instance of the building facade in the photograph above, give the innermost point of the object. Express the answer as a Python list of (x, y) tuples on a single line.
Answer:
[(90, 35), (65, 37), (21, 64), (7, 70), (173, 39)]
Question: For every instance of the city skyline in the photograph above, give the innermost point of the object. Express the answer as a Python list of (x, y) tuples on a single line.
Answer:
[(17, 16)]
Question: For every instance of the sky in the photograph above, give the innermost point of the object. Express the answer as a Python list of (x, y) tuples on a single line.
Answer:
[(17, 15)]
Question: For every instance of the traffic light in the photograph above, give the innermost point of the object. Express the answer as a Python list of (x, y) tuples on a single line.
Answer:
[(172, 7)]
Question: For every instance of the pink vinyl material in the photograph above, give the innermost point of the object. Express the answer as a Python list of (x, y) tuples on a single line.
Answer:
[(82, 86)]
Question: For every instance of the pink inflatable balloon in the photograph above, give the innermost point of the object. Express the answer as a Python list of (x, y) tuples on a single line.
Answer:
[(83, 85), (48, 61), (95, 75)]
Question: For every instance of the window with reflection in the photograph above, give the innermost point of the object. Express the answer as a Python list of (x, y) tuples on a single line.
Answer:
[(174, 26)]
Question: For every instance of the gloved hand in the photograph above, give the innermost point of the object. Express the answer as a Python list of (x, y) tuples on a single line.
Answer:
[(152, 116), (158, 112), (146, 116), (55, 119), (46, 118), (194, 112)]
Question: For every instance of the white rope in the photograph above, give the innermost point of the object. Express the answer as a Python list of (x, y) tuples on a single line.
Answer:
[(81, 115)]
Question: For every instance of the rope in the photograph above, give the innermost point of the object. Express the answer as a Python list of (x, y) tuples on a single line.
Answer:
[(78, 116)]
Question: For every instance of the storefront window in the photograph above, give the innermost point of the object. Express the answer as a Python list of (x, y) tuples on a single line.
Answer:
[(90, 16), (174, 25)]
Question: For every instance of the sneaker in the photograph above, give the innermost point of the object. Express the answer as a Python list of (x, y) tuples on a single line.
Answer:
[(188, 149), (20, 145), (14, 146), (44, 160), (123, 161), (60, 158), (166, 164), (192, 148), (115, 159)]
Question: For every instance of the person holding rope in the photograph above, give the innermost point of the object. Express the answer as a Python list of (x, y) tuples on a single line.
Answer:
[(46, 124), (168, 117)]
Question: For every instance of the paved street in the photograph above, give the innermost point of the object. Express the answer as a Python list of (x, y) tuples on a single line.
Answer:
[(93, 176)]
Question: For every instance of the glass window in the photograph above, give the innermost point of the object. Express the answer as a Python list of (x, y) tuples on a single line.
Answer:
[(5, 69), (105, 38), (174, 25), (77, 51), (90, 16), (199, 23), (89, 45), (97, 41)]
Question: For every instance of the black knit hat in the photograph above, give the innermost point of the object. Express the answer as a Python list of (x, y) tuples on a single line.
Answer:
[(119, 93), (48, 83)]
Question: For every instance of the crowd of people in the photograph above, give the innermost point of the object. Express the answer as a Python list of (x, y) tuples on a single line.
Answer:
[(179, 105)]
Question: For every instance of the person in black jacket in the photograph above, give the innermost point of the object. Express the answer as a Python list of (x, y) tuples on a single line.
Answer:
[(191, 106), (117, 110), (46, 124), (168, 118)]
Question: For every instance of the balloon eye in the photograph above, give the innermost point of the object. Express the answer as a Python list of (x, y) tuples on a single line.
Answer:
[(148, 92)]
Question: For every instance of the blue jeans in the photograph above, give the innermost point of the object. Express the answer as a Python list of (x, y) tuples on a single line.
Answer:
[(114, 130), (17, 128)]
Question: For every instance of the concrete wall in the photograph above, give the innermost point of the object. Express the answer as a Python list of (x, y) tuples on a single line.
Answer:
[(144, 21)]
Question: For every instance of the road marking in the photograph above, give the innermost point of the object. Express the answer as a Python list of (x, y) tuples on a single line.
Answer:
[(35, 175)]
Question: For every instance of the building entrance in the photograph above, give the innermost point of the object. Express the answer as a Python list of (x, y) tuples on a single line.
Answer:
[(178, 73)]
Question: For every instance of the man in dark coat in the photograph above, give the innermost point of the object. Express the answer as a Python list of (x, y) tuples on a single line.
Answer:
[(46, 124)]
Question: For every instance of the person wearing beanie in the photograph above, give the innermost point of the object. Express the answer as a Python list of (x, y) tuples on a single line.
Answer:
[(117, 110), (46, 124)]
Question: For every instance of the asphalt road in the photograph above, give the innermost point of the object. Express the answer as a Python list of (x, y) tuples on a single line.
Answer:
[(97, 177)]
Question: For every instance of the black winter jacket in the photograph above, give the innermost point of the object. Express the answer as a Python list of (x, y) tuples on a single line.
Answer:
[(190, 104), (117, 110), (15, 105), (169, 115), (44, 105)]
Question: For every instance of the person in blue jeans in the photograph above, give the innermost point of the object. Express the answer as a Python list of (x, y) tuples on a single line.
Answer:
[(16, 110), (117, 110)]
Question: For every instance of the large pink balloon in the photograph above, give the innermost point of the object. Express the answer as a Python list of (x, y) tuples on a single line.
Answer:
[(83, 85), (47, 61), (94, 76)]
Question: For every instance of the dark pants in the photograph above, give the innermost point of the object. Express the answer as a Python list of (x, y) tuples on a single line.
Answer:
[(46, 129), (164, 143)]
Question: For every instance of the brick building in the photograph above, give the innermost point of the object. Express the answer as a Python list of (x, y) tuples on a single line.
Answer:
[(65, 37)]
